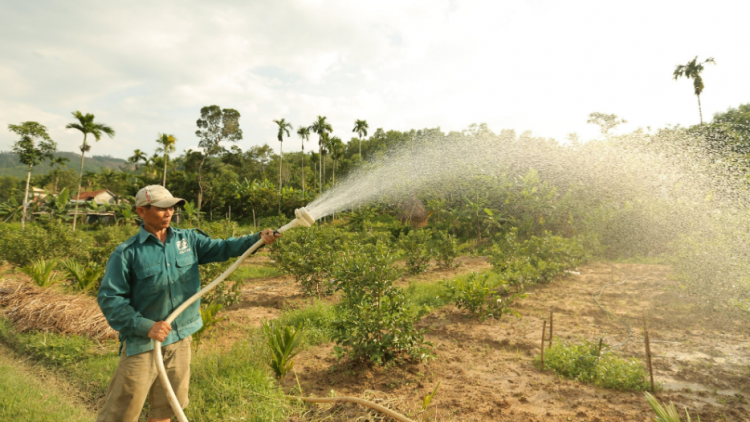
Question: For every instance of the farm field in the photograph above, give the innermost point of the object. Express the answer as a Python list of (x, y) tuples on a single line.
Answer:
[(485, 368)]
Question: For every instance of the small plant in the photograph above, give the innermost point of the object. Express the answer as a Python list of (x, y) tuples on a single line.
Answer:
[(283, 342), (41, 272), (427, 400), (445, 248), (417, 247), (585, 362), (666, 413), (478, 294), (86, 278), (209, 316)]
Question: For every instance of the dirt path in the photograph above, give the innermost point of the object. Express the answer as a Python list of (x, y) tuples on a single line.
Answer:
[(485, 369)]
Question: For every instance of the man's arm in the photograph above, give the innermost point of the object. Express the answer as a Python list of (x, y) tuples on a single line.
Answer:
[(217, 250), (114, 299)]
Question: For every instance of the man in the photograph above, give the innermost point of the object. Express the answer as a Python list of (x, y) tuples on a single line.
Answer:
[(148, 276)]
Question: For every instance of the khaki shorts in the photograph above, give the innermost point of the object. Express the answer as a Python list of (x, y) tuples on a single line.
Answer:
[(136, 377)]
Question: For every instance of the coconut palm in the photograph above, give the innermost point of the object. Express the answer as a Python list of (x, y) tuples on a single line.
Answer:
[(692, 70), (58, 162), (321, 127), (166, 146), (87, 126), (31, 154), (360, 127), (284, 127), (304, 133), (137, 157)]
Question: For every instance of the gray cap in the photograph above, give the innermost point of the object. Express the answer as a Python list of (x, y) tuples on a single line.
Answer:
[(157, 196)]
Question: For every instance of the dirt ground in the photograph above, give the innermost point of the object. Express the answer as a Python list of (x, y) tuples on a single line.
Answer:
[(701, 361)]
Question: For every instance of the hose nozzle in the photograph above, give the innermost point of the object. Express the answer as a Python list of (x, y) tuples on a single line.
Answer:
[(303, 217)]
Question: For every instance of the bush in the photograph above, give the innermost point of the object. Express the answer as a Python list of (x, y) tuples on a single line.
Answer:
[(445, 249), (536, 260), (310, 255), (480, 295), (375, 322), (584, 362), (418, 249), (86, 278), (56, 241)]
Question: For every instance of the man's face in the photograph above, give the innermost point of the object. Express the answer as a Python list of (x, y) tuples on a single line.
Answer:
[(155, 217)]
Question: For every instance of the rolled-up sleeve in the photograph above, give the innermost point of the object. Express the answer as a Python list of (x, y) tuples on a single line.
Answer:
[(217, 250), (114, 299)]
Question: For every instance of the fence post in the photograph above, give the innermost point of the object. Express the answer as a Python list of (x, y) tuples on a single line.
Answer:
[(648, 352), (544, 337)]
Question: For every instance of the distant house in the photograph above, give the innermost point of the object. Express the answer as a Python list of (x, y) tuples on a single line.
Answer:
[(104, 196), (38, 193)]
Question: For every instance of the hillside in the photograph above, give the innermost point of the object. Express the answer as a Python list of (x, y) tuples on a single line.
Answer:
[(10, 166)]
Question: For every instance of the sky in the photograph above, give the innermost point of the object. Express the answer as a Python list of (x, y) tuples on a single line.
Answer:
[(146, 68)]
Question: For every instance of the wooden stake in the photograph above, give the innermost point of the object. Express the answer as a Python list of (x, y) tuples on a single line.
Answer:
[(648, 352), (599, 350), (544, 337), (550, 330)]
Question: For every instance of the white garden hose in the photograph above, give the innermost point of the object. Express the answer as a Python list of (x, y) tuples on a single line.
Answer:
[(303, 219)]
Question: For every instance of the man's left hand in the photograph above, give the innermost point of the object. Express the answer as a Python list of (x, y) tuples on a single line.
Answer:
[(269, 236)]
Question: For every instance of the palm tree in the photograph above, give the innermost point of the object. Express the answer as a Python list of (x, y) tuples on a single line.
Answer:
[(284, 127), (59, 162), (321, 127), (336, 148), (87, 126), (137, 157), (692, 70), (360, 127), (166, 143), (304, 133)]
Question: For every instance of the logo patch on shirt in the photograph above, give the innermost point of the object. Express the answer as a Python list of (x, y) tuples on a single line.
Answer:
[(182, 246)]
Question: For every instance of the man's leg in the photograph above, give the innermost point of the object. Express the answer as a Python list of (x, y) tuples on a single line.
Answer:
[(128, 389), (177, 363)]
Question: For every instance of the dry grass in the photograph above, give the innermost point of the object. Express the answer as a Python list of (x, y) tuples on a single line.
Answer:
[(31, 308)]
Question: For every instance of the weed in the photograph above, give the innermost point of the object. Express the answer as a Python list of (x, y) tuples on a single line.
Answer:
[(666, 413), (209, 314), (283, 342), (41, 272), (584, 362)]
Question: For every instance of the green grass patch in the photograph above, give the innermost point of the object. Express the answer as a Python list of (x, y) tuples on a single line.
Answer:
[(25, 398), (432, 294), (582, 362), (317, 320), (251, 271)]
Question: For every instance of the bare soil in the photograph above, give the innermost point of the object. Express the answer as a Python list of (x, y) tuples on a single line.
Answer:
[(701, 360)]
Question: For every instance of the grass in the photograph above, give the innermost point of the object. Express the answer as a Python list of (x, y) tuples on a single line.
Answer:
[(246, 272), (25, 398), (582, 362), (317, 320)]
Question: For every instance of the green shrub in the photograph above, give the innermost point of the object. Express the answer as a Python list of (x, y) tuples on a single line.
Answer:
[(310, 255), (482, 295), (86, 278), (106, 239), (584, 362), (41, 272), (375, 322), (209, 314), (445, 249), (536, 260), (283, 341), (417, 247), (55, 241)]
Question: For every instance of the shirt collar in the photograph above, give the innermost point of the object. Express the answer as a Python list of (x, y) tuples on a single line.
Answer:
[(143, 234)]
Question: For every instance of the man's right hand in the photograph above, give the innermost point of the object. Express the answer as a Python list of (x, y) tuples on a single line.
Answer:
[(159, 331)]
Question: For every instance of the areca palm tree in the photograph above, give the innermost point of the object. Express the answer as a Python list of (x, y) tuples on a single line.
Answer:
[(321, 127), (166, 146), (58, 162), (87, 126), (360, 127), (692, 70), (137, 157), (284, 127), (304, 133), (34, 146)]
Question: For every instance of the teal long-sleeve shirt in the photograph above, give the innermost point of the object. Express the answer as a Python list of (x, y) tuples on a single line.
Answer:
[(146, 280)]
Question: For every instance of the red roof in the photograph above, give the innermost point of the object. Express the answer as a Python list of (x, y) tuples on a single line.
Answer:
[(85, 196)]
